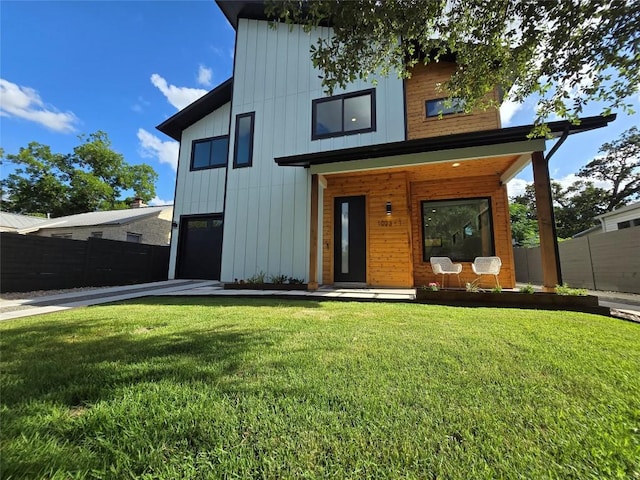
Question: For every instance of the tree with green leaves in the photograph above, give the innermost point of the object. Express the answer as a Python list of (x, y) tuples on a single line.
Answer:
[(93, 177), (568, 53), (577, 206)]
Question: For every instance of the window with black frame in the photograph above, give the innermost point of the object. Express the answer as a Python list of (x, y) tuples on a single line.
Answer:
[(243, 149), (444, 106), (209, 153), (459, 229), (344, 114)]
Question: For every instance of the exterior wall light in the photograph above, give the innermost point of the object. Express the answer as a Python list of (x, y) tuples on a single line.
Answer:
[(388, 208), (174, 224)]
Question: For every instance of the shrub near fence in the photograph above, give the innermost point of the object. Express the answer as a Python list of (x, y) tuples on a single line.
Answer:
[(45, 263), (604, 261)]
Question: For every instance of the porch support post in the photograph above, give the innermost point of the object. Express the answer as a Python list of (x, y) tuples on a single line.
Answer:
[(551, 274), (313, 235)]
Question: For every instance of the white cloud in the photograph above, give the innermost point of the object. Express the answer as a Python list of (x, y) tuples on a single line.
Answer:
[(179, 97), (204, 76), (25, 103), (507, 110), (516, 187), (158, 202), (152, 147)]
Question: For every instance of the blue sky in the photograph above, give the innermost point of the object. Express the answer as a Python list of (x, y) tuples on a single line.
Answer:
[(71, 68)]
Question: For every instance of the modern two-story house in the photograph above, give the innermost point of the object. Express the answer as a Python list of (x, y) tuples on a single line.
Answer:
[(361, 187)]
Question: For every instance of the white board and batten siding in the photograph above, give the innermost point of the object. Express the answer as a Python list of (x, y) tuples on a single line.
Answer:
[(627, 214), (267, 211), (200, 191)]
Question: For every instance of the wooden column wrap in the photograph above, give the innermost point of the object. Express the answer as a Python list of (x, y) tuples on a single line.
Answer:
[(313, 235), (546, 223)]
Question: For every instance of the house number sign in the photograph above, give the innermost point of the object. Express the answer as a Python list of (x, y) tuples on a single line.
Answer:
[(389, 223)]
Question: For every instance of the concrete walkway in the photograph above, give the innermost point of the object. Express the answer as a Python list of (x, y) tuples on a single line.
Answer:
[(54, 303), (622, 305)]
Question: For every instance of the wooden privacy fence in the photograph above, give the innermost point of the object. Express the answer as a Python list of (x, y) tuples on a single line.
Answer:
[(604, 261), (46, 263)]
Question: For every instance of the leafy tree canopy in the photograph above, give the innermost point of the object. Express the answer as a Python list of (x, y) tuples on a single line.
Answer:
[(93, 177), (567, 52), (576, 206)]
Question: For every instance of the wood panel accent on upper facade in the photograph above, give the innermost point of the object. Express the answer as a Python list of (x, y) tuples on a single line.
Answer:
[(426, 84)]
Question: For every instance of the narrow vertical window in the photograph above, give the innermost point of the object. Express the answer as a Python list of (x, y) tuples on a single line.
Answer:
[(345, 237), (243, 151)]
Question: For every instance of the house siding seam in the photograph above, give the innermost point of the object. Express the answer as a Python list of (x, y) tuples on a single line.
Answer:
[(422, 86)]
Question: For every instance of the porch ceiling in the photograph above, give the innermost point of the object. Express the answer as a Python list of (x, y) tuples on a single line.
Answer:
[(475, 167)]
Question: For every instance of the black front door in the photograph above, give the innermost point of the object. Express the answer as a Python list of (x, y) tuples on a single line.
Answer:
[(350, 242), (200, 247)]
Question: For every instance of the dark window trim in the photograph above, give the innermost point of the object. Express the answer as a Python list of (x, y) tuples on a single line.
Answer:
[(209, 139), (425, 259), (426, 108), (342, 97), (240, 116)]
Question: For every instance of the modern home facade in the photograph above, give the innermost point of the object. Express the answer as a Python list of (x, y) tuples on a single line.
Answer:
[(361, 187)]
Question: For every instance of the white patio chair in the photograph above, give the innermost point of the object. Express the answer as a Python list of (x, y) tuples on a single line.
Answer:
[(444, 266), (487, 266)]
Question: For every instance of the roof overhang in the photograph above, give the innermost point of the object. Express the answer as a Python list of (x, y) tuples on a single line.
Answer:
[(234, 9), (472, 143), (175, 125)]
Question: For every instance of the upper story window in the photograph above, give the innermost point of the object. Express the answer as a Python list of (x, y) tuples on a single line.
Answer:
[(344, 114), (444, 106), (243, 150), (209, 153)]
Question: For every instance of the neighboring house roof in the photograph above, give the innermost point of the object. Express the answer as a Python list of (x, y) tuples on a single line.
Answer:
[(589, 231), (197, 110), (626, 208), (446, 142), (108, 217), (16, 221)]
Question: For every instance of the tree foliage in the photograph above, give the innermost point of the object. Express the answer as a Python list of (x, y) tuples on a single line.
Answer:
[(567, 52), (93, 177), (577, 206)]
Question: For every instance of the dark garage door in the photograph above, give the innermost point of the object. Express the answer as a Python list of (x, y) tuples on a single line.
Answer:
[(200, 245)]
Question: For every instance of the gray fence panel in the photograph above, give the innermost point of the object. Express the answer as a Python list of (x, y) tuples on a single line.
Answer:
[(616, 260), (605, 261), (575, 261)]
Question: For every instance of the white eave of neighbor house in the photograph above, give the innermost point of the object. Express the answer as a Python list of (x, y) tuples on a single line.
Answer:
[(626, 208), (90, 219)]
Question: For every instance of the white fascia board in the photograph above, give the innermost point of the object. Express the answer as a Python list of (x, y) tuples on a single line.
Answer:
[(523, 148)]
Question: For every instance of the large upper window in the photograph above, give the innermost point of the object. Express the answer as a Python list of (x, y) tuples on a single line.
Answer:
[(209, 153), (459, 229), (444, 106), (344, 114), (243, 151)]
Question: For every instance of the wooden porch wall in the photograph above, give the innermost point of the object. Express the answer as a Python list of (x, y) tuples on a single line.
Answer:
[(389, 259), (422, 86), (466, 187)]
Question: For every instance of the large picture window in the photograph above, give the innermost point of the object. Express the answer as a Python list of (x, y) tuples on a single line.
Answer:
[(458, 229), (209, 153), (344, 114), (243, 151)]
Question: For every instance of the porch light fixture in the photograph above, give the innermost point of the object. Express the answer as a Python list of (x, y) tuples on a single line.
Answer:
[(174, 224), (388, 208), (457, 164)]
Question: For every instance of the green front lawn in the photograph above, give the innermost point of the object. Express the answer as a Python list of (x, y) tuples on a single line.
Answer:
[(228, 388)]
